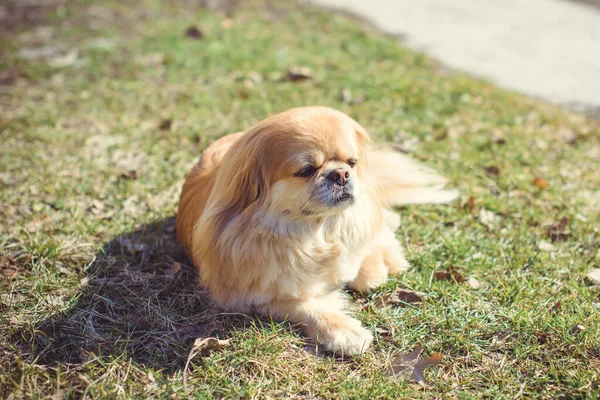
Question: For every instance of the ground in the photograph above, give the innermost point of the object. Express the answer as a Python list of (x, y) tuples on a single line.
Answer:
[(105, 108)]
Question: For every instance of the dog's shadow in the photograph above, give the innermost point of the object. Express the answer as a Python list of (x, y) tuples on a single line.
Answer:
[(140, 298)]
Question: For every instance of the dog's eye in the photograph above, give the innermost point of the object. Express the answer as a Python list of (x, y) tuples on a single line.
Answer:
[(307, 172), (351, 162)]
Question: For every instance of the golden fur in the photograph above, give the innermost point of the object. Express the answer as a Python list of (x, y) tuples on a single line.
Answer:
[(278, 218)]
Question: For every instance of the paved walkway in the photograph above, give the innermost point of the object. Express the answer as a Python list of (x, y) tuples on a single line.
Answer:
[(543, 48)]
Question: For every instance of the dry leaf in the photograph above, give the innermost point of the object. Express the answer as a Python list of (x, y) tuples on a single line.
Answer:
[(474, 283), (202, 344), (452, 272), (193, 33), (593, 277), (540, 183), (542, 337), (400, 297), (492, 170), (132, 174), (8, 268), (500, 338), (470, 204), (165, 124), (299, 74), (410, 367), (576, 329), (558, 232)]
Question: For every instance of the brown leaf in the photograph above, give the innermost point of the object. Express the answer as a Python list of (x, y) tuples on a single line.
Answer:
[(576, 329), (441, 275), (470, 204), (400, 297), (132, 174), (165, 124), (8, 268), (542, 337), (201, 345), (193, 33), (452, 272), (540, 183), (296, 74), (558, 232), (410, 367), (492, 170)]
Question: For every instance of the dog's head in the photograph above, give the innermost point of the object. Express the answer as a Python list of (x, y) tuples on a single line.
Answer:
[(303, 163)]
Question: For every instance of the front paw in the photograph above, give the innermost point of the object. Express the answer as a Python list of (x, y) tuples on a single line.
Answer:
[(345, 337)]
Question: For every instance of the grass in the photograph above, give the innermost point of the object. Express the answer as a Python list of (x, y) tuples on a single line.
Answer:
[(91, 300)]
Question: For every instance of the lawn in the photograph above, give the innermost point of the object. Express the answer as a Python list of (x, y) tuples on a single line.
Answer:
[(106, 106)]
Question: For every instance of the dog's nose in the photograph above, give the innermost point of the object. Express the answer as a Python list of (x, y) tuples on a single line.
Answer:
[(339, 176)]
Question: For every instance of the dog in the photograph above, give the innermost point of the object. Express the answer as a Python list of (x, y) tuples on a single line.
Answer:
[(277, 219)]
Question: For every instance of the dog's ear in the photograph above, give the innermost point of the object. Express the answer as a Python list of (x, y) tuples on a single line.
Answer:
[(243, 180)]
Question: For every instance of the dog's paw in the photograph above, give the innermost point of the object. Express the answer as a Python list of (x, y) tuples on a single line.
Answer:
[(346, 339), (370, 277)]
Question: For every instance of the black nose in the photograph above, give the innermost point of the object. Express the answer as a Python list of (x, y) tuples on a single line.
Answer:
[(339, 176)]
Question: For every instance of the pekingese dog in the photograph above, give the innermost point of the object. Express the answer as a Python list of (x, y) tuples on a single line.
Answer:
[(279, 218)]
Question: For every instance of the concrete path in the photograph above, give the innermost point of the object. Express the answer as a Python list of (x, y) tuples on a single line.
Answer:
[(543, 48)]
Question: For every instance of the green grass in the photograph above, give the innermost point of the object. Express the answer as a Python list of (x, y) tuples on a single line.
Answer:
[(83, 313)]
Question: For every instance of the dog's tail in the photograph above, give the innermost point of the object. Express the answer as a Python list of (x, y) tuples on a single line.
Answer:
[(404, 181)]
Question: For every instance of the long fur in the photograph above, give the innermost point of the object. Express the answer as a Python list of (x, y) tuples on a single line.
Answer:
[(266, 241)]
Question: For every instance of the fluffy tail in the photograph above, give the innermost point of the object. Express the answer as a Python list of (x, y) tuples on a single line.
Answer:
[(404, 181)]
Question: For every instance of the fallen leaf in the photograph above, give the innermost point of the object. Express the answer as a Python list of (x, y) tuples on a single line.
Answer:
[(8, 268), (400, 297), (132, 174), (165, 124), (296, 74), (474, 283), (540, 183), (410, 367), (200, 345), (593, 277), (452, 272), (500, 338), (542, 337), (193, 33), (558, 232), (492, 170), (470, 204), (576, 329)]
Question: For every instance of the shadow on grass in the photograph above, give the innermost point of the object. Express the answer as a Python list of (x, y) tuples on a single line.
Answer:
[(141, 300)]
